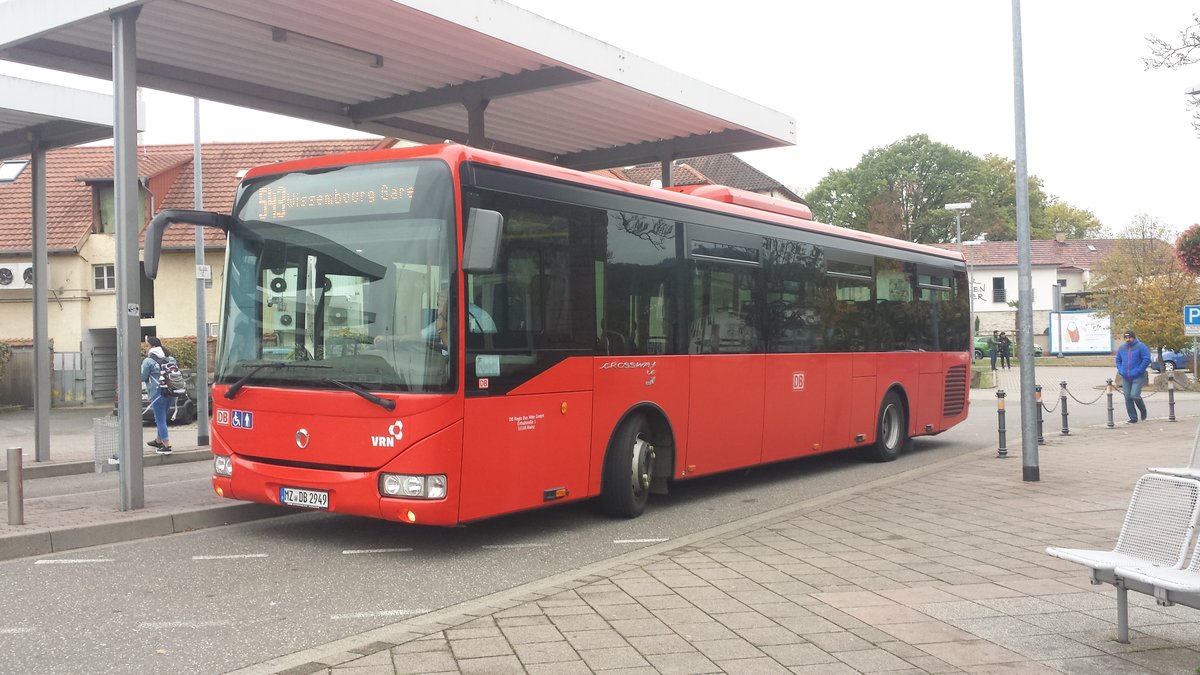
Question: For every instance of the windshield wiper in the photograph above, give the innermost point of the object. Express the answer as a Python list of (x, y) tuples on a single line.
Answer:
[(385, 403), (237, 386)]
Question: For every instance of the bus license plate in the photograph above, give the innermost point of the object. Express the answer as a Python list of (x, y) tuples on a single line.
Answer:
[(309, 499)]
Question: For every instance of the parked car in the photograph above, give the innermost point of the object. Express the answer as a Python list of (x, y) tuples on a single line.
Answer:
[(981, 348), (180, 409), (1171, 360)]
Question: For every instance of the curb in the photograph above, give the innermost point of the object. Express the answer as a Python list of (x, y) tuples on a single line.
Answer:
[(67, 538), (55, 469)]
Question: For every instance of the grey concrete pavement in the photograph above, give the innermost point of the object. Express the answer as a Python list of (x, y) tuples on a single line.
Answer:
[(937, 570)]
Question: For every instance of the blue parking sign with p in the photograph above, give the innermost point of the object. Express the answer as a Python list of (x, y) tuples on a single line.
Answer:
[(1191, 315)]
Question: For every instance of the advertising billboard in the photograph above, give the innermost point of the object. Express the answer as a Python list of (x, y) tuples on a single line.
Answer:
[(1081, 332)]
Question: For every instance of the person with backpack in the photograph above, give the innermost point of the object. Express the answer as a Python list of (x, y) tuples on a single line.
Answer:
[(152, 373)]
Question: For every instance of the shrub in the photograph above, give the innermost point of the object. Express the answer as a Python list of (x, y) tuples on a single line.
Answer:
[(5, 357), (183, 349), (1187, 249)]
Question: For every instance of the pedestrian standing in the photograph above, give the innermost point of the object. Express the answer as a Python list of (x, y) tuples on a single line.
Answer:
[(151, 370), (1133, 358), (1005, 351), (994, 346)]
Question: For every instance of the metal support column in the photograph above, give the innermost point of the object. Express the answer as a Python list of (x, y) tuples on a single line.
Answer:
[(41, 320), (201, 323), (1030, 470), (128, 273), (475, 104)]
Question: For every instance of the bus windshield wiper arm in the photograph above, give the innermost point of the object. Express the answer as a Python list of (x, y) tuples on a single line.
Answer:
[(237, 386), (385, 403)]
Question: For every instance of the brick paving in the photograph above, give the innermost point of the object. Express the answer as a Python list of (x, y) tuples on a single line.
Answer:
[(938, 570)]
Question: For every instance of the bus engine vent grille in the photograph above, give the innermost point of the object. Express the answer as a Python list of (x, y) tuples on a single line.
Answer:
[(955, 398)]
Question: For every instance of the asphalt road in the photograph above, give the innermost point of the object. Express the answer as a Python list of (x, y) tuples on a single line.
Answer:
[(225, 598)]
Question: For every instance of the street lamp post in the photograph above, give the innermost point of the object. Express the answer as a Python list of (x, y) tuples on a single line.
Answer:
[(958, 209)]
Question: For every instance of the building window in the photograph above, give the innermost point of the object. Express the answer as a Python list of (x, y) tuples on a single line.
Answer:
[(1062, 283), (106, 277), (105, 218), (998, 293)]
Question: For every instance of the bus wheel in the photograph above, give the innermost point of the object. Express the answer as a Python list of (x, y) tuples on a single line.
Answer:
[(628, 469), (889, 430)]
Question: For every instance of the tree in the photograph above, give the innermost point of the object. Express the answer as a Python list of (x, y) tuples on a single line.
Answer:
[(1176, 54), (901, 191), (1059, 216), (1142, 287)]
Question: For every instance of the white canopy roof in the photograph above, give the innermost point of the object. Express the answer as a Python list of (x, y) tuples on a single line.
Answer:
[(408, 68), (57, 116)]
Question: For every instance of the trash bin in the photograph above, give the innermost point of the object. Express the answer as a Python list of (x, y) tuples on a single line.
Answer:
[(105, 440)]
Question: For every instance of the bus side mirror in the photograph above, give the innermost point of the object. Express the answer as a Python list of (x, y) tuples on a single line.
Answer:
[(481, 251), (164, 218)]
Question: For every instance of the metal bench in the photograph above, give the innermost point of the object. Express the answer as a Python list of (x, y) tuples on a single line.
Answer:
[(1192, 470), (1157, 533), (1168, 586)]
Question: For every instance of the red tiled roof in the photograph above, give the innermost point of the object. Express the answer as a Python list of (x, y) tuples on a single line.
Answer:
[(723, 169), (69, 205), (1077, 253)]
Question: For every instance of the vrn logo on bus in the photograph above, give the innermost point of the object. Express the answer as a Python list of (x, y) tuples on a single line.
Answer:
[(395, 433)]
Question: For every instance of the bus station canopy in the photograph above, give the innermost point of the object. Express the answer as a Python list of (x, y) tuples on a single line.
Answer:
[(475, 71), (53, 115)]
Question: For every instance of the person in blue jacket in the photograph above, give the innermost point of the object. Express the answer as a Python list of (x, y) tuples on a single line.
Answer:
[(1133, 358)]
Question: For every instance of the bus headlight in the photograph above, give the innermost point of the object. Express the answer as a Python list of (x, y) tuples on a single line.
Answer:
[(223, 465), (412, 487)]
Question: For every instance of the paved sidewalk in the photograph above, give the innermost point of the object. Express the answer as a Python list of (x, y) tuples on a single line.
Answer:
[(937, 570)]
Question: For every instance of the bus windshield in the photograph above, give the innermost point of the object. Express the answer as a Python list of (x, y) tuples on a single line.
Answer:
[(344, 268)]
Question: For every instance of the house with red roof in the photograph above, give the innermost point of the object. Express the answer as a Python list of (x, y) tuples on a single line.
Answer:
[(81, 249), (1065, 263)]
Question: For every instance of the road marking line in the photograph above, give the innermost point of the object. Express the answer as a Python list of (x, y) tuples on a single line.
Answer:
[(182, 624), (71, 561), (356, 551), (229, 557), (381, 613), (15, 631), (641, 541), (515, 545)]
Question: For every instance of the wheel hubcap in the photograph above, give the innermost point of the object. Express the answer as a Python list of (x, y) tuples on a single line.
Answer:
[(890, 426), (642, 461)]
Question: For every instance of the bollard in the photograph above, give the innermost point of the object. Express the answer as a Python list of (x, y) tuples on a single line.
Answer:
[(1110, 408), (1037, 397), (16, 488), (1002, 453), (1066, 431), (1171, 396)]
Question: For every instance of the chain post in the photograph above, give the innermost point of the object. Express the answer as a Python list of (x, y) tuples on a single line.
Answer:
[(1037, 397), (1066, 431), (16, 488), (1109, 387), (1002, 453), (1171, 396)]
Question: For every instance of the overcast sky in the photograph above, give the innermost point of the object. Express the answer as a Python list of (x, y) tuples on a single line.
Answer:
[(1103, 133)]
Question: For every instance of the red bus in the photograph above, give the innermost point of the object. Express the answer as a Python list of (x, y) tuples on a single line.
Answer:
[(442, 334)]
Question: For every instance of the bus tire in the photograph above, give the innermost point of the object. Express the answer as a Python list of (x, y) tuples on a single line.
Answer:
[(628, 469), (890, 429)]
